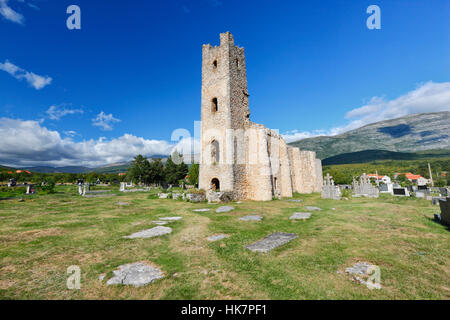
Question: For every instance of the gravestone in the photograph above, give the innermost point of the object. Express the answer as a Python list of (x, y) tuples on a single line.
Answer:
[(364, 187), (80, 190), (445, 211), (271, 242), (251, 218), (171, 218), (309, 208), (386, 188), (300, 216), (28, 189), (420, 195), (201, 210), (135, 274), (329, 190), (122, 186), (401, 192), (224, 209), (149, 233)]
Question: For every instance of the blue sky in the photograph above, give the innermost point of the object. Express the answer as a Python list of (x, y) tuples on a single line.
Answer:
[(132, 74)]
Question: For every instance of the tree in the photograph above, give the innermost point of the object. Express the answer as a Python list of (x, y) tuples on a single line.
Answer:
[(171, 172), (193, 174), (140, 169), (156, 174)]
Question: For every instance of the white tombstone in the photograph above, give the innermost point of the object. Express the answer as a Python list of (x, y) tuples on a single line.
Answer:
[(80, 189), (28, 189), (84, 189), (122, 186)]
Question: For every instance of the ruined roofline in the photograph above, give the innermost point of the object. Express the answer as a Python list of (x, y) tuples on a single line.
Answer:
[(225, 38)]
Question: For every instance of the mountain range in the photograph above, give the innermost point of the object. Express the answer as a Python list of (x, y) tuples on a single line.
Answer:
[(409, 134)]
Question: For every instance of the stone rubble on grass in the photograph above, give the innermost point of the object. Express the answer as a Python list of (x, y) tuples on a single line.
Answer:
[(122, 203), (362, 269), (163, 195), (313, 208), (251, 218), (295, 200), (300, 215), (217, 237), (161, 223), (136, 274), (102, 277), (201, 210), (224, 209), (170, 218), (271, 242), (149, 233)]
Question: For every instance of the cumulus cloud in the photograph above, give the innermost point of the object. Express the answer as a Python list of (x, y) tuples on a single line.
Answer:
[(27, 143), (104, 121), (36, 81), (427, 97), (9, 14), (57, 112)]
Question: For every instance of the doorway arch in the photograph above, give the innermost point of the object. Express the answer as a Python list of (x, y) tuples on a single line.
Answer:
[(215, 184)]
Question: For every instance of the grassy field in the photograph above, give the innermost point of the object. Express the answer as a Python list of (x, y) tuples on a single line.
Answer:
[(44, 235)]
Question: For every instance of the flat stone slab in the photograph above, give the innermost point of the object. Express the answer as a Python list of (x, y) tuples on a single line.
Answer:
[(201, 210), (217, 237), (149, 233), (122, 203), (272, 241), (359, 268), (161, 223), (360, 272), (295, 200), (170, 218), (251, 218), (300, 215), (313, 208), (224, 209), (136, 274)]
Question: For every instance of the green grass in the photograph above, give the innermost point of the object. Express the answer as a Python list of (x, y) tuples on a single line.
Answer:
[(41, 237)]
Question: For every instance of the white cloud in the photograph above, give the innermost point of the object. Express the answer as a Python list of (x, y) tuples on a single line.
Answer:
[(9, 14), (104, 121), (427, 97), (27, 143), (37, 81), (57, 112)]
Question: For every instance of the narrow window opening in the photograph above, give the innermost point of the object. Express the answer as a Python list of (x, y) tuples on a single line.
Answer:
[(215, 152), (214, 105), (215, 64)]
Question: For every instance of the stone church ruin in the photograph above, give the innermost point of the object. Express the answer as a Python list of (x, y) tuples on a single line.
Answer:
[(240, 157)]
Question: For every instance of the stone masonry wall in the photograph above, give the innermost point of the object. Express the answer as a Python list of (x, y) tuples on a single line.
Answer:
[(248, 159)]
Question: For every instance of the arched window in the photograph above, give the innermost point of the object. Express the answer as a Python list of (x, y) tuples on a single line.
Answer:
[(275, 183), (214, 105), (215, 184), (215, 152), (215, 64)]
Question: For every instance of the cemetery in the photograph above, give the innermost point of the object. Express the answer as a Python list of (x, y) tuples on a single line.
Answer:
[(138, 245)]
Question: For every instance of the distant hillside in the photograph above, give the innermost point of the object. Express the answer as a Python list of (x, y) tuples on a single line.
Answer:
[(413, 133), (373, 155)]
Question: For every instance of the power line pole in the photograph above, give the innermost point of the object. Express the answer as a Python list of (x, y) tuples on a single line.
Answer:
[(431, 176)]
